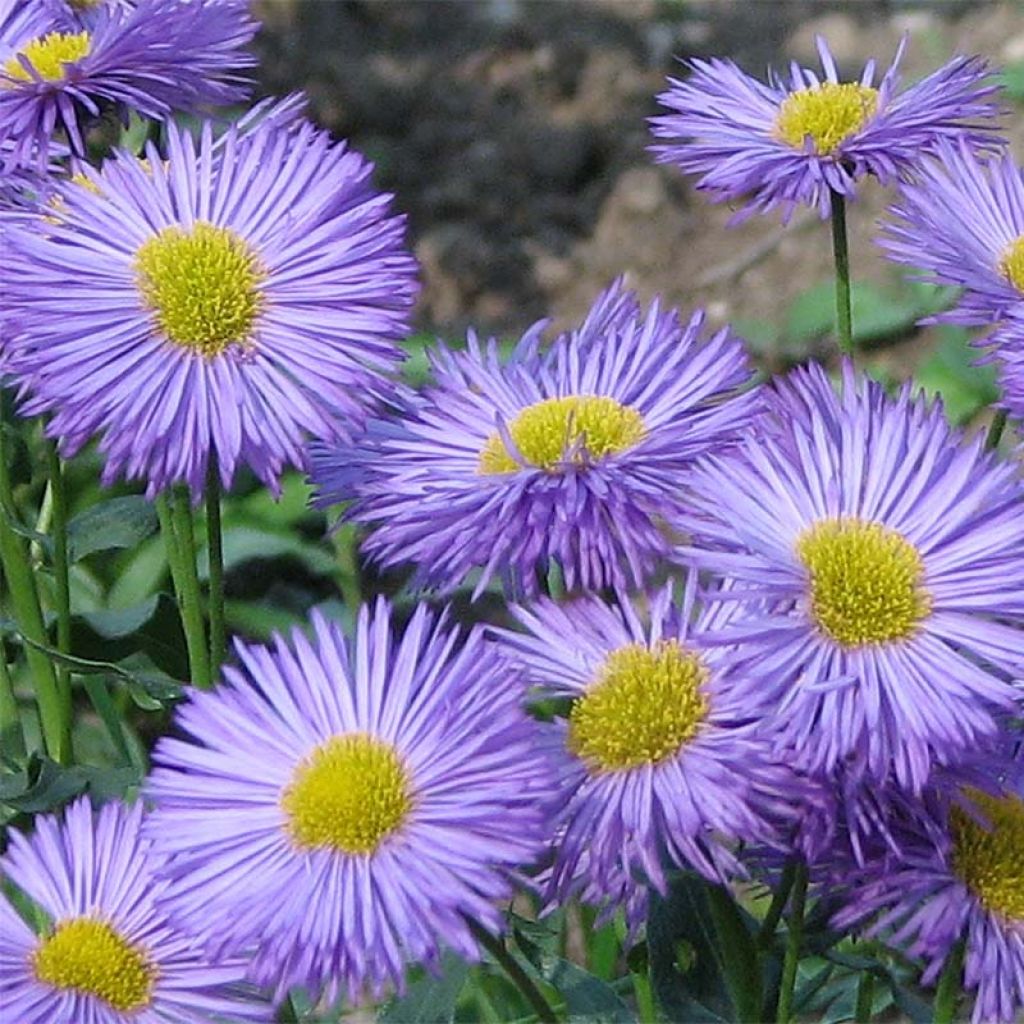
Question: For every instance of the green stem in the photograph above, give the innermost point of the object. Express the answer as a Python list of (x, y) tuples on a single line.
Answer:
[(778, 904), (103, 704), (995, 430), (739, 960), (516, 974), (643, 992), (61, 570), (215, 545), (841, 252), (176, 525), (865, 998), (947, 994), (54, 709), (10, 721), (795, 920)]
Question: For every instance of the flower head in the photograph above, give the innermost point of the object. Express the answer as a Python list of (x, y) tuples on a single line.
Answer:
[(155, 57), (575, 454), (375, 793), (955, 874), (667, 762), (794, 143), (879, 559), (961, 223), (107, 954), (223, 302)]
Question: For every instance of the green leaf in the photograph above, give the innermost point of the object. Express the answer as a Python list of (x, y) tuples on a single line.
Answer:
[(115, 523), (431, 999), (585, 995), (1012, 78), (152, 627), (245, 543), (43, 785), (951, 372), (137, 671), (685, 968)]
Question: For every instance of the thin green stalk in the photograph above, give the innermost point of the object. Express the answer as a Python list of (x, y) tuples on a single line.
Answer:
[(995, 430), (795, 921), (176, 525), (103, 704), (54, 708), (947, 994), (841, 252), (778, 904), (61, 570), (865, 998), (739, 959), (10, 721), (643, 992), (516, 974), (215, 545)]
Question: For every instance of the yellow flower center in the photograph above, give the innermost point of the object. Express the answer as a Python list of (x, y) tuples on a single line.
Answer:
[(865, 582), (646, 703), (349, 795), (85, 5), (203, 284), (545, 431), (990, 861), (1011, 266), (48, 55), (827, 113), (90, 957)]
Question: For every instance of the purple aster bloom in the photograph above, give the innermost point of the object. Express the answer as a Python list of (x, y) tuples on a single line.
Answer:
[(667, 760), (376, 794), (878, 557), (222, 302), (108, 954), (575, 454), (961, 222), (956, 874), (794, 143), (155, 57)]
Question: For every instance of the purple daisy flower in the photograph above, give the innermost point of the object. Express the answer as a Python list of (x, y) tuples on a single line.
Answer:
[(878, 559), (667, 760), (961, 223), (225, 301), (377, 794), (108, 954), (955, 874), (155, 57), (575, 454), (795, 143)]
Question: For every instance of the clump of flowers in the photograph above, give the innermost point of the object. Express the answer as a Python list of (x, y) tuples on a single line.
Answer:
[(731, 676)]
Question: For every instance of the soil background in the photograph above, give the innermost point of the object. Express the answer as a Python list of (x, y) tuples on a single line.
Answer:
[(513, 133)]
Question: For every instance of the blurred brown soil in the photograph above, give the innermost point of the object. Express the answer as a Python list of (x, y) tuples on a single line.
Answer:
[(513, 133)]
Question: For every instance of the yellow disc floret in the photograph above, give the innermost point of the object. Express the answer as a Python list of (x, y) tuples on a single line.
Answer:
[(593, 426), (990, 861), (1011, 266), (349, 795), (202, 284), (865, 582), (49, 56), (826, 113), (646, 703), (88, 956)]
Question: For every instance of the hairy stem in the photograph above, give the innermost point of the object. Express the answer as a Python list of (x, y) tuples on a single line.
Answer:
[(841, 252), (795, 921)]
